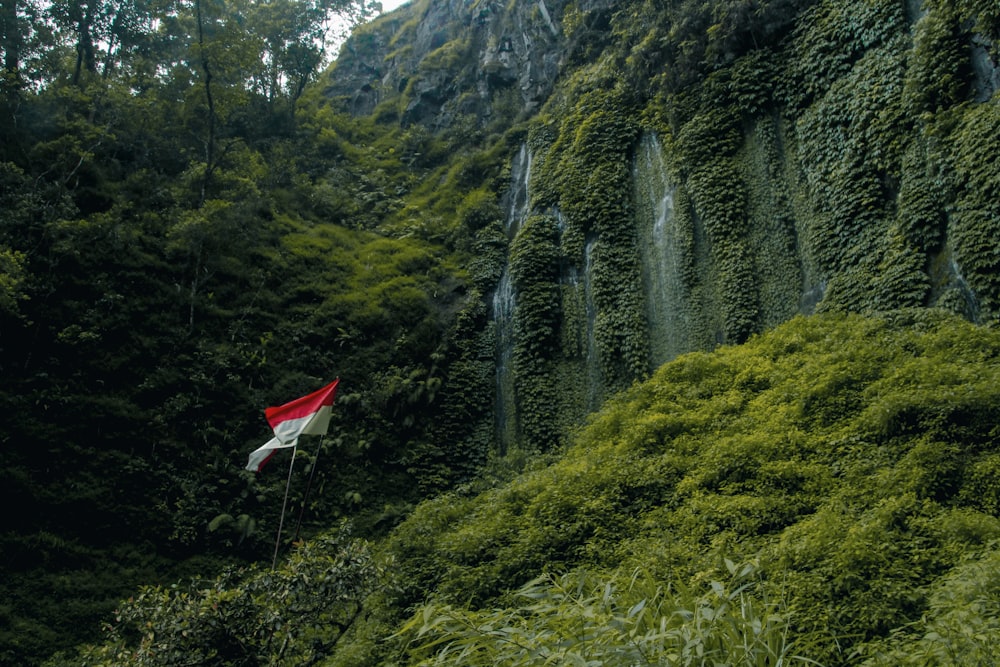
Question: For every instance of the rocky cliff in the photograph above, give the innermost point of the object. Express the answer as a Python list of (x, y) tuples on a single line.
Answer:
[(431, 62), (683, 175)]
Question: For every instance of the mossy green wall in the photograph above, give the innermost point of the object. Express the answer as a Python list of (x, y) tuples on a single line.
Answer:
[(826, 155), (843, 167)]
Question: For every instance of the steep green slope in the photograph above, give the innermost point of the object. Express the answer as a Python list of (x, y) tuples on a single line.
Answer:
[(158, 290), (853, 457), (825, 490)]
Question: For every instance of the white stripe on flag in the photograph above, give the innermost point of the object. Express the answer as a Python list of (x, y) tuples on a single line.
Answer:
[(316, 423), (259, 456)]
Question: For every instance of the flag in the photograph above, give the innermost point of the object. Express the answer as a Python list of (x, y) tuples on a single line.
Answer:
[(262, 455), (309, 415)]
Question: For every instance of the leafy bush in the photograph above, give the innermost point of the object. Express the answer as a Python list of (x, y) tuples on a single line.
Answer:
[(252, 616), (842, 452), (583, 619), (961, 626)]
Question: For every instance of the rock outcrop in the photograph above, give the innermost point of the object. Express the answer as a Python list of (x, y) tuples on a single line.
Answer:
[(434, 61)]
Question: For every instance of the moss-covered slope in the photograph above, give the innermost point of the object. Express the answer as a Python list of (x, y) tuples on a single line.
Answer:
[(824, 492), (854, 457)]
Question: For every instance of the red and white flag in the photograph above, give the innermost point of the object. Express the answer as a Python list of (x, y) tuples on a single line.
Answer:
[(262, 455), (309, 415)]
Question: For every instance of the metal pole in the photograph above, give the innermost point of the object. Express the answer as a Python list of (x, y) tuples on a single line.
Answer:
[(305, 499), (281, 522)]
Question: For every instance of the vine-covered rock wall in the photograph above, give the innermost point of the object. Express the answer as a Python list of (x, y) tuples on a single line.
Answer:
[(700, 175)]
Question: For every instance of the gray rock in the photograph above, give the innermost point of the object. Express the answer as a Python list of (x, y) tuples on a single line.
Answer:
[(441, 59)]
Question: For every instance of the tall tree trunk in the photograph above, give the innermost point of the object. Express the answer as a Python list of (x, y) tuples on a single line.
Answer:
[(210, 140), (11, 34), (85, 56), (11, 81), (113, 33)]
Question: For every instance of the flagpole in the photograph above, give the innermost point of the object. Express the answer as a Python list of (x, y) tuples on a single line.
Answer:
[(305, 498), (281, 522)]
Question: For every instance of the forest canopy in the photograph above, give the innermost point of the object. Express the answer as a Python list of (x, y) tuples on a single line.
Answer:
[(174, 256)]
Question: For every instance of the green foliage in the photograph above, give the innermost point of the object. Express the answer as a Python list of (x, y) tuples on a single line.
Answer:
[(828, 40), (674, 44), (190, 232), (938, 71), (985, 15), (12, 280), (846, 191), (286, 616), (587, 165), (580, 619), (534, 269), (976, 213), (706, 145), (868, 126), (155, 296), (847, 454), (961, 625)]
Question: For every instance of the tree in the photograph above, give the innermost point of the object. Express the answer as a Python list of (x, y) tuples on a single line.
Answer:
[(292, 615), (13, 30), (296, 36), (16, 20)]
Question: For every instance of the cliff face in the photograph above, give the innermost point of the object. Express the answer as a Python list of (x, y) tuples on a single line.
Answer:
[(432, 61), (686, 176)]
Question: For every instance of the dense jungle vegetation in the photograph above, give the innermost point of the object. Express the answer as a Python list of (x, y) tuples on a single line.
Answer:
[(172, 260), (193, 227), (826, 491)]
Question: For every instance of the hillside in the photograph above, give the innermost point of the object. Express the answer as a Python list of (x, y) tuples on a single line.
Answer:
[(488, 219), (850, 459), (823, 491)]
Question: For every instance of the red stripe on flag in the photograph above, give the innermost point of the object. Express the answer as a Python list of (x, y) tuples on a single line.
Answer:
[(302, 407), (260, 466)]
